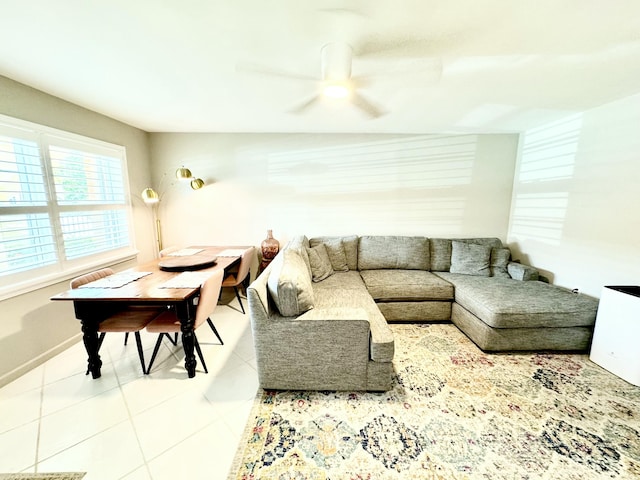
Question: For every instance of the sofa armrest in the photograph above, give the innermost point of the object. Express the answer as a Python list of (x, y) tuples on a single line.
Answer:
[(337, 313), (321, 349), (381, 347), (522, 272)]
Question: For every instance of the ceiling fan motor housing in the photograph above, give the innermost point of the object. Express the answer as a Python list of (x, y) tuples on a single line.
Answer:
[(336, 61)]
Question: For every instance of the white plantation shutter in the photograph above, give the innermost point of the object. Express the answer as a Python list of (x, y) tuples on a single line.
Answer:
[(64, 203), (27, 238), (90, 196)]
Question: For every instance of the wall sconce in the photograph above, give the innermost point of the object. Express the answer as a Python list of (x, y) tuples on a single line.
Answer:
[(152, 198)]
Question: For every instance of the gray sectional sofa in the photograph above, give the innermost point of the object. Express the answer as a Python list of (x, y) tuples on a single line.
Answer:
[(319, 312)]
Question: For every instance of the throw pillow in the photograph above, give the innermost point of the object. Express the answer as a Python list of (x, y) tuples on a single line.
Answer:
[(320, 264), (290, 285), (337, 256), (440, 249), (350, 244), (470, 259), (499, 260)]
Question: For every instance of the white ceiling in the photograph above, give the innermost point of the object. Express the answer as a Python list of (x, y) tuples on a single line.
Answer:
[(186, 66)]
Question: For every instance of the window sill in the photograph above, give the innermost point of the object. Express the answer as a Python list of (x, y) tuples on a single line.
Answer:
[(48, 280)]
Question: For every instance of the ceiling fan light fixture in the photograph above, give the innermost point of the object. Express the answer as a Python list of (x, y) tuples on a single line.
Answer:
[(335, 61), (336, 90)]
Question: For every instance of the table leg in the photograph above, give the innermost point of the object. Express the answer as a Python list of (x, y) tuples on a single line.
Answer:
[(91, 344), (188, 341)]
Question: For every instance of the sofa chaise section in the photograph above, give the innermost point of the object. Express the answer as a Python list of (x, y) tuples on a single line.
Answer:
[(505, 314)]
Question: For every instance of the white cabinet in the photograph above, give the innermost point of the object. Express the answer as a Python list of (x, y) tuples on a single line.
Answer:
[(616, 337)]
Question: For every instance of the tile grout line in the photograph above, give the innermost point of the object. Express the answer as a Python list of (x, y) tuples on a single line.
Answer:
[(37, 451), (73, 405), (131, 422)]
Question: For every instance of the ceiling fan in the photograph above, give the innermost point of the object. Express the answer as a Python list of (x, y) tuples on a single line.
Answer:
[(335, 83)]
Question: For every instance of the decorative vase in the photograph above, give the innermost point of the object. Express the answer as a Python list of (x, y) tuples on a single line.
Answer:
[(270, 248)]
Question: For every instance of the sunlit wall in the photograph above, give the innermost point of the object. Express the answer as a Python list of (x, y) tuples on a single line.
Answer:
[(576, 198), (433, 185)]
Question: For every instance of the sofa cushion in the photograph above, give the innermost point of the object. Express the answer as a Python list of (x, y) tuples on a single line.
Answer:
[(412, 311), (470, 259), (382, 341), (319, 261), (385, 285), (499, 261), (335, 250), (350, 245), (522, 272), (519, 339), (300, 243), (379, 252), (289, 283), (440, 250), (440, 253), (508, 303), (350, 280)]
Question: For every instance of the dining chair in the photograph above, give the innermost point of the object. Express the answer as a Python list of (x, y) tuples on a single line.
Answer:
[(130, 319), (169, 322), (236, 278), (163, 253)]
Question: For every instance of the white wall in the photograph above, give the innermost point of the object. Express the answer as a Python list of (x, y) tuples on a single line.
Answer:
[(576, 198), (308, 184), (32, 328)]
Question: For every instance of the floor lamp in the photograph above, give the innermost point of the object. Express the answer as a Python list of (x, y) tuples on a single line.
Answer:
[(152, 198)]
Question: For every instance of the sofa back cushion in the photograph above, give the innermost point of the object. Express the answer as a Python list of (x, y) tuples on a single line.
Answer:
[(441, 250), (320, 263), (380, 252), (499, 260), (289, 283), (470, 259), (349, 245), (300, 244)]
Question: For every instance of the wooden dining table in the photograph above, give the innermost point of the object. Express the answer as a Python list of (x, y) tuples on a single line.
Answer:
[(161, 282)]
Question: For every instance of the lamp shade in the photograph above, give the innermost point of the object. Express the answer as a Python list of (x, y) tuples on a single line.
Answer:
[(197, 183), (149, 195), (183, 173)]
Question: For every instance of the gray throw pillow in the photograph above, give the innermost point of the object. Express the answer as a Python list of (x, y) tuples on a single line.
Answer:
[(337, 256), (320, 263), (290, 285), (470, 259), (499, 260)]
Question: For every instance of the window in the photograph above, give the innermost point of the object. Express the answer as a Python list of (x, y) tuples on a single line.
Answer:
[(64, 205)]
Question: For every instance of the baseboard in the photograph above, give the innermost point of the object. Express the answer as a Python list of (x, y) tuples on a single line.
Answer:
[(39, 360)]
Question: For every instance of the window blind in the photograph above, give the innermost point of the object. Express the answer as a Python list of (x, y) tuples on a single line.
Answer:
[(64, 203)]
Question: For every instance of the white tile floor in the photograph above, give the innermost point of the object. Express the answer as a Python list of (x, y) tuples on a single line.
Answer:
[(126, 425)]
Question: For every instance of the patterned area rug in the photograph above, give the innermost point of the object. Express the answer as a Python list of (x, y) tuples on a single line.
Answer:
[(454, 413)]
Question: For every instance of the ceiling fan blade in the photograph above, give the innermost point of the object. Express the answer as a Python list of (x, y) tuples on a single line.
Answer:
[(272, 72), (427, 69), (366, 106), (396, 46), (344, 11), (303, 107)]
